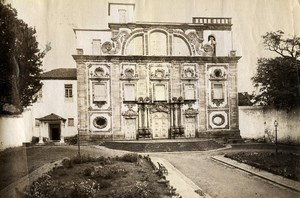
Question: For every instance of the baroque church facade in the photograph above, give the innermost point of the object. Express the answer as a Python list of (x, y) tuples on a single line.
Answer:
[(140, 80)]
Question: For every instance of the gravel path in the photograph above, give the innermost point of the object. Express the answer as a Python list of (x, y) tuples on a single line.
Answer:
[(222, 181)]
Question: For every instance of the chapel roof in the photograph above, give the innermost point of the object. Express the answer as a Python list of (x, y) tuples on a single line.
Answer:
[(51, 117), (60, 74)]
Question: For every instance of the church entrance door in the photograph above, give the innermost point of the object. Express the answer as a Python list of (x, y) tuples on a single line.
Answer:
[(160, 124)]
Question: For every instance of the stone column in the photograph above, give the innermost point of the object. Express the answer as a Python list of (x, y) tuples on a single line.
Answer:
[(147, 117), (175, 115), (41, 141), (62, 132), (140, 117), (171, 116)]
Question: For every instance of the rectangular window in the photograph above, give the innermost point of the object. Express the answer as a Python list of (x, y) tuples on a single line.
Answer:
[(189, 92), (70, 121), (160, 93), (217, 93), (37, 123), (129, 92), (68, 91), (99, 92)]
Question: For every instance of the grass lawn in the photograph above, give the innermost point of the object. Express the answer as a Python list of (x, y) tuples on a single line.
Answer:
[(284, 164)]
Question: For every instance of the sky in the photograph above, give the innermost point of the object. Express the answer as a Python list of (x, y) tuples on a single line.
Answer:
[(55, 20)]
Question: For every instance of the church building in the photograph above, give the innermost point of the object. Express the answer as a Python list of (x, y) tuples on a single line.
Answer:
[(154, 80)]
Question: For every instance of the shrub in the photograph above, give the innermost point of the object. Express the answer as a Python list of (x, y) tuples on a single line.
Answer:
[(71, 140), (45, 187), (129, 157), (80, 159)]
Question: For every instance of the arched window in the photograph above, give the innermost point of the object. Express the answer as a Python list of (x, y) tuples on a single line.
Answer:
[(180, 47), (135, 46), (158, 44)]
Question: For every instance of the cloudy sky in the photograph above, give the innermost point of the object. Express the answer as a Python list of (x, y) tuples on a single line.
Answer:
[(54, 21)]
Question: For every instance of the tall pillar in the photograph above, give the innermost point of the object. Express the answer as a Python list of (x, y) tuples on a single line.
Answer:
[(41, 141), (140, 117), (175, 115), (147, 117), (62, 133)]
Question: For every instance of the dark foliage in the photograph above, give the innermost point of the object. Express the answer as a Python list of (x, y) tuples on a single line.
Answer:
[(20, 61), (245, 99), (278, 78)]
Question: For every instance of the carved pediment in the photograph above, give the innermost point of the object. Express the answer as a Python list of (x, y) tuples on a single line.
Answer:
[(189, 72), (159, 72), (99, 71), (130, 113), (191, 112), (218, 74), (160, 107)]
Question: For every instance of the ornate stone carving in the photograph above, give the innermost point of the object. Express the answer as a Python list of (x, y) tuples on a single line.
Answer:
[(218, 74), (111, 47), (100, 122), (160, 107), (190, 112), (99, 104), (130, 113), (99, 72), (160, 73), (218, 119), (217, 102), (129, 73), (189, 72)]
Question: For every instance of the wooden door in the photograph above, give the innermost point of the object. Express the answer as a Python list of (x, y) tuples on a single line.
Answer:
[(190, 127), (160, 125), (130, 129), (54, 131)]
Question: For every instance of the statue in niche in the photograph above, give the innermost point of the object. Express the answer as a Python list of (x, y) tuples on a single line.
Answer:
[(212, 42)]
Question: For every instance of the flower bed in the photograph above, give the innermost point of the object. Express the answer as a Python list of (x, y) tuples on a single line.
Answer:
[(127, 176), (284, 164)]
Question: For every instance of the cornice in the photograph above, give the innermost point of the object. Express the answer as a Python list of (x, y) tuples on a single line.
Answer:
[(143, 59)]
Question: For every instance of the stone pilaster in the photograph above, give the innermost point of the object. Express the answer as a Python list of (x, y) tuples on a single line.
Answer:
[(233, 98), (116, 88), (175, 81), (82, 87), (202, 99)]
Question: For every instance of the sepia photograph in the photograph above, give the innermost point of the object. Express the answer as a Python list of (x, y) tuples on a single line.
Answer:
[(149, 98)]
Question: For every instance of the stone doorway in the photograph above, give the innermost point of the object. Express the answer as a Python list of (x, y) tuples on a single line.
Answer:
[(160, 125), (54, 132)]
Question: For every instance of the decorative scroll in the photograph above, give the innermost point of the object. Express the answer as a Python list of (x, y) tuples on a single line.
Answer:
[(111, 47)]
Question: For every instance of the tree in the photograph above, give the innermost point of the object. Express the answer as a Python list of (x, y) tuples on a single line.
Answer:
[(20, 62), (278, 78)]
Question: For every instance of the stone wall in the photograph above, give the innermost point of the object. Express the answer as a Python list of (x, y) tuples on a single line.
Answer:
[(254, 121), (14, 130)]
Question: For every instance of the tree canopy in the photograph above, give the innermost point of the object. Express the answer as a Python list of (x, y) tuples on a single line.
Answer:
[(20, 62), (278, 78)]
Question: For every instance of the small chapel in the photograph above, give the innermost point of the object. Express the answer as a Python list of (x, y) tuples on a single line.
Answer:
[(156, 80)]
